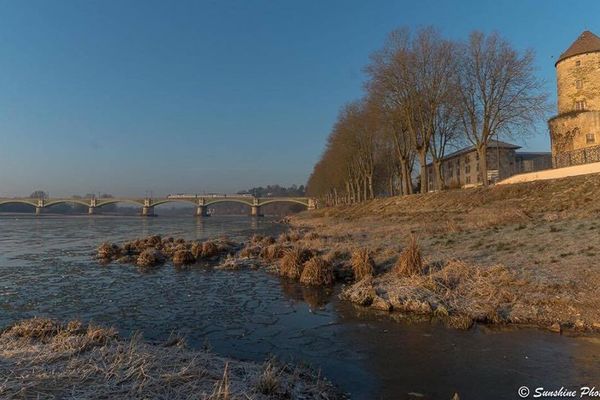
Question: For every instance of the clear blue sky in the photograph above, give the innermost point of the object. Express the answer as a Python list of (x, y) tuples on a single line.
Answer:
[(187, 96)]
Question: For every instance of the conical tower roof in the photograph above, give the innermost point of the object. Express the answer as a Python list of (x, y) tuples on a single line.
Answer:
[(587, 42)]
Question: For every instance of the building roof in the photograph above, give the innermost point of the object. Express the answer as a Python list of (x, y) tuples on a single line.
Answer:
[(587, 42), (491, 144)]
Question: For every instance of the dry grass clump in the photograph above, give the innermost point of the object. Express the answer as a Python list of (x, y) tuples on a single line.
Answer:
[(317, 272), (183, 257), (196, 249), (312, 236), (72, 336), (250, 251), (256, 238), (150, 258), (268, 240), (154, 250), (268, 383), (272, 252), (362, 263), (45, 359), (209, 249), (35, 328), (108, 251), (283, 237), (292, 262), (481, 293), (295, 236), (457, 292), (410, 261)]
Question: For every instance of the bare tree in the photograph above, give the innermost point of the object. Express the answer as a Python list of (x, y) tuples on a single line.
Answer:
[(445, 133), (417, 73), (498, 92)]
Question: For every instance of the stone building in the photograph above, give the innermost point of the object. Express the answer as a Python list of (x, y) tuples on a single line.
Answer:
[(575, 131), (461, 168)]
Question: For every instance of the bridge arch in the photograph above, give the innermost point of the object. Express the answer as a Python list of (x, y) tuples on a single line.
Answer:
[(67, 201), (231, 200), (283, 200), (29, 203), (186, 201), (100, 203)]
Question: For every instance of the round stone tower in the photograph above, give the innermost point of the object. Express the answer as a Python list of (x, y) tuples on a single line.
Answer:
[(575, 131)]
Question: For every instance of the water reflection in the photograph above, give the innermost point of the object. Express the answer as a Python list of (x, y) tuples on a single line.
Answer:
[(315, 297)]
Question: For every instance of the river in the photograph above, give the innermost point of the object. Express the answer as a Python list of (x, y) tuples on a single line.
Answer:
[(46, 269)]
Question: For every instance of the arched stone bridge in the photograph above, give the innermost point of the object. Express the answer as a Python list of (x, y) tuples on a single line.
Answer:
[(147, 204)]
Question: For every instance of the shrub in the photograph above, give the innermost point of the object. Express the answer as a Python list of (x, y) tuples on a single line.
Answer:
[(317, 272), (362, 263), (410, 262)]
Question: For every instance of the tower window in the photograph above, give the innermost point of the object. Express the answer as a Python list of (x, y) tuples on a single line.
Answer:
[(579, 84), (579, 105), (590, 138)]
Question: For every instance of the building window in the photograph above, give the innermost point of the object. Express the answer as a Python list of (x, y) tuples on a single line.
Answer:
[(579, 84), (590, 138), (467, 159), (467, 169), (577, 63), (580, 105), (468, 180)]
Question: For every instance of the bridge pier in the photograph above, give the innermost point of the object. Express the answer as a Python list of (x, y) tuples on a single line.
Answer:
[(255, 211), (38, 210), (91, 210), (201, 211), (148, 211)]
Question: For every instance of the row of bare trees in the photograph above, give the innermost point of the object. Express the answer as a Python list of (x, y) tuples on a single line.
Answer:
[(425, 95)]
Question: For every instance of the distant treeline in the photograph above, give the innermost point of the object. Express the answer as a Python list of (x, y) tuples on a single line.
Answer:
[(276, 191)]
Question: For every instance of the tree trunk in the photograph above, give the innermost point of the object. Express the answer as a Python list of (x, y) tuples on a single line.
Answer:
[(481, 150), (370, 183), (423, 166), (439, 176), (406, 180)]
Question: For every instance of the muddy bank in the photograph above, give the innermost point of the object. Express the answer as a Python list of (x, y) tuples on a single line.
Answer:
[(46, 359), (519, 254)]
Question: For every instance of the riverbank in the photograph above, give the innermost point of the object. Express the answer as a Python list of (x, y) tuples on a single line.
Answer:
[(515, 254), (43, 358)]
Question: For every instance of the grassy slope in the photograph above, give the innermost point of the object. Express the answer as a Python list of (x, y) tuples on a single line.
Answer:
[(545, 235)]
